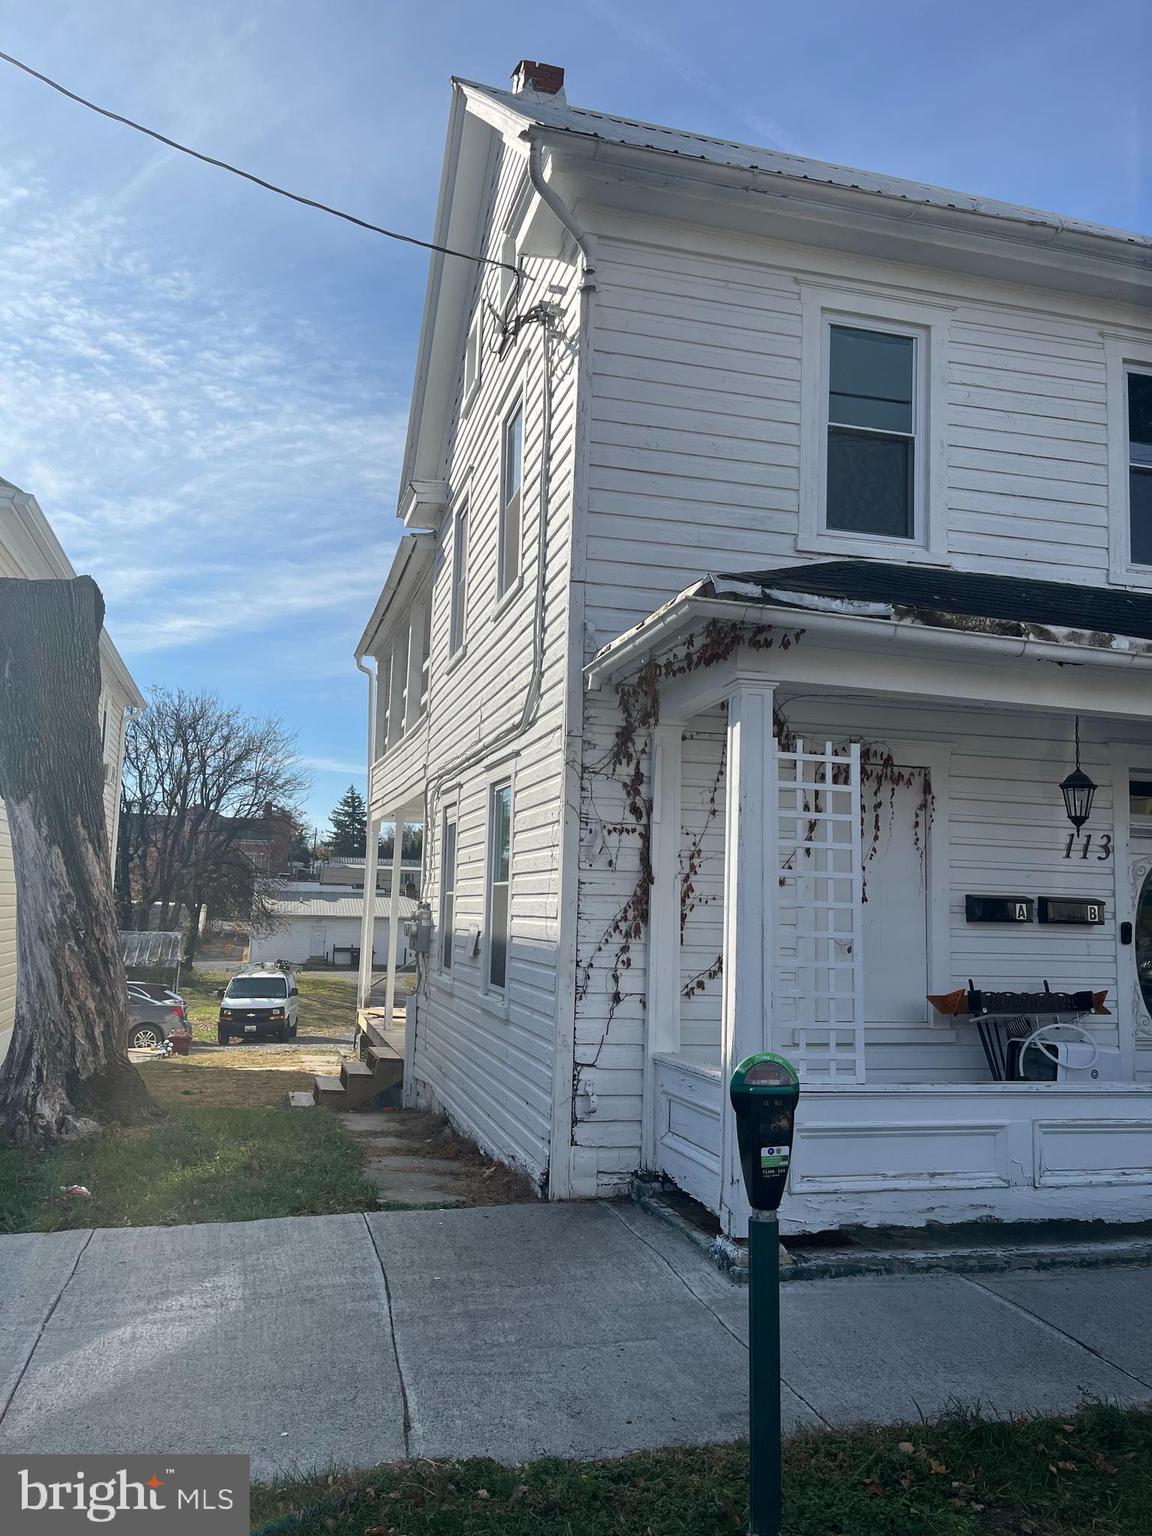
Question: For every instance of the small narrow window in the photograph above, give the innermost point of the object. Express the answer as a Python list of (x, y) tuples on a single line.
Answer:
[(472, 360), (1140, 466), (459, 581), (425, 655), (499, 866), (448, 893), (871, 463), (511, 473)]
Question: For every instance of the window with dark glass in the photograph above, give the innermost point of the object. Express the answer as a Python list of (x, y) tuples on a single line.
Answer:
[(448, 894), (1140, 466), (511, 471), (499, 867), (871, 465), (459, 580)]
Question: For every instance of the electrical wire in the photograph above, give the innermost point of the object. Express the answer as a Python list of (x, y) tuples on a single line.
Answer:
[(269, 186)]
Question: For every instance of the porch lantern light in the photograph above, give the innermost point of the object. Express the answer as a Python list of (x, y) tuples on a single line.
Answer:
[(1078, 790)]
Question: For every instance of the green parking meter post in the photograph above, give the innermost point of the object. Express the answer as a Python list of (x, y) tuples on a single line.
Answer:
[(764, 1091)]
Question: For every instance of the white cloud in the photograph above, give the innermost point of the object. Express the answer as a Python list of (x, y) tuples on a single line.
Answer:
[(217, 465), (334, 765)]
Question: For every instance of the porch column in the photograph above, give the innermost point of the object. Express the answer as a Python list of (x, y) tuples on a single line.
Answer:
[(750, 814), (662, 1010), (368, 921), (393, 921)]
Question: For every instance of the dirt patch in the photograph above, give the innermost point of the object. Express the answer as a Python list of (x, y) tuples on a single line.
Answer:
[(178, 1082)]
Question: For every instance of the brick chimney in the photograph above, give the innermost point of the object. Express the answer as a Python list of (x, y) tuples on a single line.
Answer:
[(538, 79)]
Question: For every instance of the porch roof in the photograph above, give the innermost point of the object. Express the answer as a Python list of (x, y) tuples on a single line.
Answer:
[(870, 602), (1010, 605)]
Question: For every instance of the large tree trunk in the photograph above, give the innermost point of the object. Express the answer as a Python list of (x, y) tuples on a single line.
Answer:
[(67, 1066)]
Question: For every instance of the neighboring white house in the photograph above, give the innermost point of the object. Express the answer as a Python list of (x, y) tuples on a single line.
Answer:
[(29, 549), (772, 532), (325, 925)]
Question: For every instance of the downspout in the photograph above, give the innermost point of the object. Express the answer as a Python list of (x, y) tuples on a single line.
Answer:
[(371, 843), (561, 1182)]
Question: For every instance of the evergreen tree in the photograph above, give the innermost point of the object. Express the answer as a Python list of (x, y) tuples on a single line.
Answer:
[(349, 823)]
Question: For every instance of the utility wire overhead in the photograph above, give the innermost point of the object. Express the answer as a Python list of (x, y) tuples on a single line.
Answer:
[(223, 165)]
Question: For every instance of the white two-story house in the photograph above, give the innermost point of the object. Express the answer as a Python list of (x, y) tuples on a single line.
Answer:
[(778, 547)]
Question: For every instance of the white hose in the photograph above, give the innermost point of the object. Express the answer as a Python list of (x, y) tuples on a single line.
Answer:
[(1044, 1045)]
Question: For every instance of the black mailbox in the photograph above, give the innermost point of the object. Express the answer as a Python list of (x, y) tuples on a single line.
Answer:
[(998, 909), (1070, 909)]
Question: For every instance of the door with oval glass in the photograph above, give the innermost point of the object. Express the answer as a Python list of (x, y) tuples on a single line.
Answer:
[(1139, 979)]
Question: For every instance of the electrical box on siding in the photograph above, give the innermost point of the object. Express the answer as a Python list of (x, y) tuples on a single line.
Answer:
[(998, 909), (1070, 909)]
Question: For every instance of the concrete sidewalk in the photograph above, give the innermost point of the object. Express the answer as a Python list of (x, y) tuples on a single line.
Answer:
[(510, 1331)]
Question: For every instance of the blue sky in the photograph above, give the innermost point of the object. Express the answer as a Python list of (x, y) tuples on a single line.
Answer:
[(206, 386)]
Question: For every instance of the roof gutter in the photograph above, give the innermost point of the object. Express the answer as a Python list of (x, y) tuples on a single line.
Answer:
[(683, 612)]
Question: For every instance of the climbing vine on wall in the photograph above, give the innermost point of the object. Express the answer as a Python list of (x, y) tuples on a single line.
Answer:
[(625, 765)]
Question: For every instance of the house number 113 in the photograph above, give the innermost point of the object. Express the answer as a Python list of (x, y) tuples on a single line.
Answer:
[(1083, 844)]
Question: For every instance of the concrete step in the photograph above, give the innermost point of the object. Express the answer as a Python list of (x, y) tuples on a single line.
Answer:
[(328, 1090), (360, 1084)]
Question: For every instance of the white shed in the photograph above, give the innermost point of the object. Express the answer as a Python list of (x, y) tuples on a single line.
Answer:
[(323, 923)]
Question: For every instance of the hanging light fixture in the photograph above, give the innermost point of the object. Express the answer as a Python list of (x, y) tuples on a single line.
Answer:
[(1078, 790)]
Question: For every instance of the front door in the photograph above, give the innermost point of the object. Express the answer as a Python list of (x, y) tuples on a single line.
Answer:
[(318, 942), (1137, 983), (894, 927)]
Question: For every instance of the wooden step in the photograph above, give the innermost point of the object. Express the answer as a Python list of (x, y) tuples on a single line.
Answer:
[(351, 1070), (328, 1090)]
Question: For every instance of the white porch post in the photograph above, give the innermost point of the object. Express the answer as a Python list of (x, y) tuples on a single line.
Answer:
[(368, 921), (750, 815), (662, 1011), (393, 921)]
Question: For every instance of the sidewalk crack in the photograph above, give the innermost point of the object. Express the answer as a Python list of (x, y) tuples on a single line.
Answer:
[(703, 1300), (1017, 1306), (395, 1345), (56, 1300)]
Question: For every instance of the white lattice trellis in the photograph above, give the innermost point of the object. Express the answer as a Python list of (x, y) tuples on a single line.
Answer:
[(818, 965)]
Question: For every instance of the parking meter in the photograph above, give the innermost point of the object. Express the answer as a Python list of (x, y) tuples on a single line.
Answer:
[(764, 1092)]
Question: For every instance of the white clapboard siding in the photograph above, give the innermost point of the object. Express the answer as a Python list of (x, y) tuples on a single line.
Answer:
[(486, 1060), (694, 447)]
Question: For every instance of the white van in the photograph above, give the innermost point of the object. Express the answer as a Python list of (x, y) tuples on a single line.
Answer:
[(259, 1005)]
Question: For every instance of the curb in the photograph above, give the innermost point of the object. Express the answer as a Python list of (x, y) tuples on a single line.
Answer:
[(732, 1257)]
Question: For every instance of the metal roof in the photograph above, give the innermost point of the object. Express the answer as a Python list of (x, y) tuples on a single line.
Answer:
[(558, 115), (156, 948), (1011, 605), (317, 904)]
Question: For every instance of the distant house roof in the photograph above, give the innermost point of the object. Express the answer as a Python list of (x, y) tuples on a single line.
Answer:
[(158, 948), (316, 902), (1009, 605)]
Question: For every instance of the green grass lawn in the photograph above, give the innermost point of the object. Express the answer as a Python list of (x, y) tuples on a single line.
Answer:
[(198, 1165), (1086, 1475)]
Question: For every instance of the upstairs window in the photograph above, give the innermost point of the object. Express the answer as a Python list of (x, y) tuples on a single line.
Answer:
[(425, 655), (459, 581), (1140, 467), (511, 475), (472, 361), (499, 873), (871, 465), (448, 893)]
